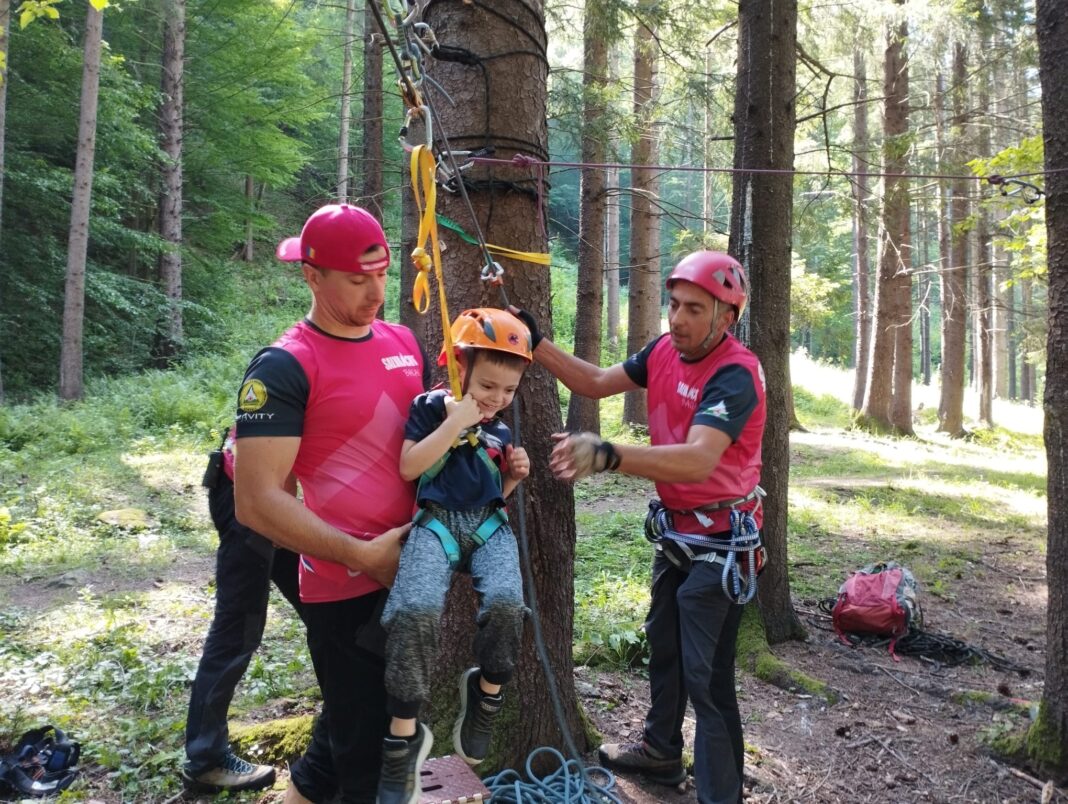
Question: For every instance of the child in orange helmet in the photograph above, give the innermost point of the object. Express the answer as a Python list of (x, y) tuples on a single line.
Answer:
[(462, 455)]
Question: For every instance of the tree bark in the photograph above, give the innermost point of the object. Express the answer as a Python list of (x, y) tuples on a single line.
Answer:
[(511, 113), (248, 251), (612, 230), (584, 413), (888, 404), (1027, 369), (346, 106), (924, 294), (1048, 736), (172, 82), (371, 188), (5, 27), (861, 199), (983, 272), (761, 216), (954, 274), (70, 356), (643, 313)]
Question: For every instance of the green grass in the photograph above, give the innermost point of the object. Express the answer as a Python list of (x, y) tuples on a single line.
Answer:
[(113, 661)]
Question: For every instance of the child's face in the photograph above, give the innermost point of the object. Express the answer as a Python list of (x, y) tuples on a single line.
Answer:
[(493, 386)]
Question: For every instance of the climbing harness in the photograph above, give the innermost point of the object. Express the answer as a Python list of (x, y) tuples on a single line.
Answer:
[(741, 556), (425, 519), (43, 763)]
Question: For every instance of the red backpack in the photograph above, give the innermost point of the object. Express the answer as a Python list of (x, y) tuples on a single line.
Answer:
[(878, 600)]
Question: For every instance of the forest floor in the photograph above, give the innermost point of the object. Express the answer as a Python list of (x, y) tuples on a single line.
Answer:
[(101, 624)]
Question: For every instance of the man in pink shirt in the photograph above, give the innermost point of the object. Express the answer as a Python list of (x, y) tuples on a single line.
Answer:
[(706, 424), (326, 404)]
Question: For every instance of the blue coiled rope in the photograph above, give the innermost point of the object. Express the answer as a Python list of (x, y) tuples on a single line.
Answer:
[(570, 783)]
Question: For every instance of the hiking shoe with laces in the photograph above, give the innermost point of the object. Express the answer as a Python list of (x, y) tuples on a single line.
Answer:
[(641, 758), (474, 725), (401, 762), (233, 774)]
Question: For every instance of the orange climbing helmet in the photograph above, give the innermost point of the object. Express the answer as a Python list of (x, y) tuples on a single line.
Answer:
[(718, 273), (490, 328)]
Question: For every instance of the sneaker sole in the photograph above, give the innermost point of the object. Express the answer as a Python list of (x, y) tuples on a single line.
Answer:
[(424, 752), (196, 788), (458, 725)]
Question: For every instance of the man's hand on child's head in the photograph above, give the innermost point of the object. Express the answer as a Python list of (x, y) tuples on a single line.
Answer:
[(465, 412), (518, 462), (532, 324)]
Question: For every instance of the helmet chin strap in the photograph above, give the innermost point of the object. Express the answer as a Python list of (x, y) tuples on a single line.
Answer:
[(706, 344)]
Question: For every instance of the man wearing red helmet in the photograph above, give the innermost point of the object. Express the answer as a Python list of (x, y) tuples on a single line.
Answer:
[(706, 423), (326, 404)]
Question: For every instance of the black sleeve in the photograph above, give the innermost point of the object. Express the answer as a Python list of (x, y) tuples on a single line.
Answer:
[(637, 365), (425, 415), (727, 401), (273, 396)]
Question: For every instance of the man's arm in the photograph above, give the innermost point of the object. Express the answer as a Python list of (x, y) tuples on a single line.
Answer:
[(691, 462), (264, 504), (581, 377)]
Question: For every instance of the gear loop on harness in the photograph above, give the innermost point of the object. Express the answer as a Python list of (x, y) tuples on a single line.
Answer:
[(737, 554)]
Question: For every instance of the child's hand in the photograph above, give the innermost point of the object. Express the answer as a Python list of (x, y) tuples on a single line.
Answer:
[(518, 462), (465, 413)]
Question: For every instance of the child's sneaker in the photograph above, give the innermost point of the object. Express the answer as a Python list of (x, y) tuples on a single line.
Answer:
[(474, 725), (401, 762)]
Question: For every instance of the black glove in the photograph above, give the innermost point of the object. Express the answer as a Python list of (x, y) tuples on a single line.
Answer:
[(532, 325)]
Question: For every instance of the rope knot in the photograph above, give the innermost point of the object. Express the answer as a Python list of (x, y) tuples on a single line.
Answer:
[(524, 160), (421, 260)]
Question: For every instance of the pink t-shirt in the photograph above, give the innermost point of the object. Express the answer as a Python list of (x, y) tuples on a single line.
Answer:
[(347, 400)]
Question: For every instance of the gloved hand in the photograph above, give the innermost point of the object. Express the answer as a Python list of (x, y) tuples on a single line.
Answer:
[(532, 325), (578, 455)]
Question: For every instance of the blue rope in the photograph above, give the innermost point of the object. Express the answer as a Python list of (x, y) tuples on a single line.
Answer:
[(570, 783)]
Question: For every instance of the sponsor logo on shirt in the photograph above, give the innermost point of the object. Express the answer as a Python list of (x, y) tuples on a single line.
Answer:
[(686, 392), (399, 361), (253, 396), (718, 410)]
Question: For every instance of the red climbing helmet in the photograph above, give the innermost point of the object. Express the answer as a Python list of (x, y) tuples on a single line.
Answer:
[(490, 328), (718, 273)]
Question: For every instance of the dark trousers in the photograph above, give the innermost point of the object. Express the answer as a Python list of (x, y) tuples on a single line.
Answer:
[(347, 644), (245, 565), (692, 630)]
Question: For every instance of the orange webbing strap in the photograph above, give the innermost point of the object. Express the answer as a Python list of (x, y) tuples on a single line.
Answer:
[(426, 196)]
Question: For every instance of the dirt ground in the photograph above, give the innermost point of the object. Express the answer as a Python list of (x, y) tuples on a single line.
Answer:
[(901, 732)]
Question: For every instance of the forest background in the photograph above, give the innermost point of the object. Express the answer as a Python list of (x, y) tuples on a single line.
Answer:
[(138, 224)]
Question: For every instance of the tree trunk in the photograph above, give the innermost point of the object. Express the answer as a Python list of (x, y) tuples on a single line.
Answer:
[(944, 237), (761, 215), (248, 251), (1048, 737), (5, 27), (584, 413), (611, 268), (707, 156), (346, 106), (983, 340), (170, 207), (861, 199), (954, 274), (888, 402), (508, 214), (643, 314), (70, 355), (983, 273), (924, 294), (896, 240), (1027, 369), (371, 188)]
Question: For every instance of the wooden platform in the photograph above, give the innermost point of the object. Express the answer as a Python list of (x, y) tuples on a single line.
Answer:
[(450, 780)]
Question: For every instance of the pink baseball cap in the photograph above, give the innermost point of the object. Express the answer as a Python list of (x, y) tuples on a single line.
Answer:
[(336, 237)]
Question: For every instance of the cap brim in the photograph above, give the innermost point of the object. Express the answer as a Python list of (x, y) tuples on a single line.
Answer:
[(289, 250)]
